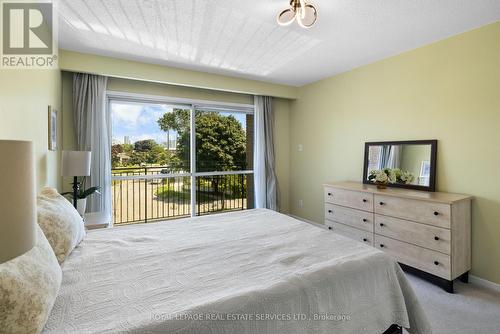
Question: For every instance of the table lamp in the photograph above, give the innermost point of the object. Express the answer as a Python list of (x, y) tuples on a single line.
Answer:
[(17, 199), (74, 164)]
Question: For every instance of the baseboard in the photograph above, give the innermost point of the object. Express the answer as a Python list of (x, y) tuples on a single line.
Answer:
[(308, 221), (484, 283)]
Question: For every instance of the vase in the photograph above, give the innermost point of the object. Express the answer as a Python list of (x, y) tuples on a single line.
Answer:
[(381, 185), (81, 206)]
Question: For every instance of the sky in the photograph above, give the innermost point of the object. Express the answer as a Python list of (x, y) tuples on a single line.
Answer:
[(140, 121)]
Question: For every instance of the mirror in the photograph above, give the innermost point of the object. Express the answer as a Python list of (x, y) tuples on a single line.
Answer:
[(408, 164)]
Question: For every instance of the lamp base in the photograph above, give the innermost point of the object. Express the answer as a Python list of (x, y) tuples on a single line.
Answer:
[(76, 187)]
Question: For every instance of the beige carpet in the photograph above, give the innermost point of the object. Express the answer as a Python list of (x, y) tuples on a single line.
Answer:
[(471, 310)]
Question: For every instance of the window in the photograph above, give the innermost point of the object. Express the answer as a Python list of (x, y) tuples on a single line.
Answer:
[(178, 160), (224, 157)]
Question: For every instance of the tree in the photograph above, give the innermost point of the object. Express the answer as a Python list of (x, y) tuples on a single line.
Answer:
[(220, 143), (144, 145), (127, 148), (220, 140), (115, 150)]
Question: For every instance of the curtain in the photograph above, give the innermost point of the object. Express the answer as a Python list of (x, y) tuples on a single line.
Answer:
[(390, 156), (385, 154), (266, 183), (93, 133), (395, 156)]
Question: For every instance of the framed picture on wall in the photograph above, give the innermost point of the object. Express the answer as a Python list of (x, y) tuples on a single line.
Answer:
[(52, 129)]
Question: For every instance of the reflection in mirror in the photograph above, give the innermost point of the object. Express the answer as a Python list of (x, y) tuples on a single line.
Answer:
[(409, 163)]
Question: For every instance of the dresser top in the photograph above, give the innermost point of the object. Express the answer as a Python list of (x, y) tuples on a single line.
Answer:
[(440, 197)]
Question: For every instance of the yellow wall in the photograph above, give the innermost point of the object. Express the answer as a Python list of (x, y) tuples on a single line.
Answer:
[(281, 107), (24, 99), (448, 91)]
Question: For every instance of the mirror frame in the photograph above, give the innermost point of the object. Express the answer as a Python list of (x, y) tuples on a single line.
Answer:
[(432, 177)]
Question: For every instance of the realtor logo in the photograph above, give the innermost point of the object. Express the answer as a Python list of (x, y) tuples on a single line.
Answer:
[(28, 35)]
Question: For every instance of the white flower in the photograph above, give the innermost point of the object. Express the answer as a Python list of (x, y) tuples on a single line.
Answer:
[(407, 177), (381, 177), (392, 176)]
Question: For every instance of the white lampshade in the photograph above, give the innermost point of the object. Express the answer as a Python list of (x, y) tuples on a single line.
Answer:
[(17, 199), (75, 163)]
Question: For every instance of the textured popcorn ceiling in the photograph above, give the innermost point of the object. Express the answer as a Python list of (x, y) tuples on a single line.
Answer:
[(241, 38)]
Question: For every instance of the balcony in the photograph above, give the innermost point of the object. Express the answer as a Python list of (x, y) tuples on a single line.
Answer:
[(148, 194)]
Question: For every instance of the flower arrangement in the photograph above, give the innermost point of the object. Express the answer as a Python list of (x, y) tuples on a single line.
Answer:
[(382, 177)]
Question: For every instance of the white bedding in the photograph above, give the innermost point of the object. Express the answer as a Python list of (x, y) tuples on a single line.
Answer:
[(237, 268)]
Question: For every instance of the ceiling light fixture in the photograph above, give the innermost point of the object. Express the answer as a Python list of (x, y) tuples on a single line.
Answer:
[(305, 14)]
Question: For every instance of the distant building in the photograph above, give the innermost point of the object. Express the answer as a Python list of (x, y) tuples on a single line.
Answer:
[(126, 140)]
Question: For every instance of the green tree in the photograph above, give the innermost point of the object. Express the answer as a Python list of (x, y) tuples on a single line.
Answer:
[(220, 144), (137, 158), (115, 150), (145, 145), (127, 148), (220, 140)]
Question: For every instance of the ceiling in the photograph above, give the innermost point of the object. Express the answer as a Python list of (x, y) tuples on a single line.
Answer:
[(241, 38)]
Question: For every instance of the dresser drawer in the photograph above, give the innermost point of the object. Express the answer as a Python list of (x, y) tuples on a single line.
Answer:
[(355, 218), (421, 258), (435, 238), (350, 232), (431, 213), (352, 199)]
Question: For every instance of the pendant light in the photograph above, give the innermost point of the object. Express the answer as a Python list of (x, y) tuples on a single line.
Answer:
[(304, 13)]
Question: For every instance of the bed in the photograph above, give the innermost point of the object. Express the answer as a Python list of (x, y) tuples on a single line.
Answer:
[(254, 271)]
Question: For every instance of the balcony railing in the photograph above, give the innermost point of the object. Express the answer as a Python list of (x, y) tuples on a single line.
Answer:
[(145, 194)]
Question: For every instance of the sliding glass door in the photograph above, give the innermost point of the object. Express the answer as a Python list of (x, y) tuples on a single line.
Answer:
[(172, 160), (224, 160)]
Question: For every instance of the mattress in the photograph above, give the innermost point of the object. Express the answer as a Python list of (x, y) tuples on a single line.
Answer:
[(254, 271)]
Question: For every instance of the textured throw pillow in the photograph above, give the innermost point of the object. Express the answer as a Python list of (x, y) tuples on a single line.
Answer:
[(28, 288), (60, 222)]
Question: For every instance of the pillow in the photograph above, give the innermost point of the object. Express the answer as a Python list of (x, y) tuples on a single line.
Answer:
[(28, 288), (60, 222)]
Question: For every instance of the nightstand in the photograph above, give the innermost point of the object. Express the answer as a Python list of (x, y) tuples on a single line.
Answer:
[(96, 220)]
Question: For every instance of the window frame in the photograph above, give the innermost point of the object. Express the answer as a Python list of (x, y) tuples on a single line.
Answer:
[(193, 105)]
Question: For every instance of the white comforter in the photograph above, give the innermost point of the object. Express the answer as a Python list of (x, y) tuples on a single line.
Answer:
[(253, 271)]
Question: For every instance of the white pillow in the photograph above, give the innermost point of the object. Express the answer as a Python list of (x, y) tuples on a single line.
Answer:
[(60, 222), (28, 288)]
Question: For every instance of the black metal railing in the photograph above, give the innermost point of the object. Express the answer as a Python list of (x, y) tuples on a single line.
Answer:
[(218, 193), (145, 194)]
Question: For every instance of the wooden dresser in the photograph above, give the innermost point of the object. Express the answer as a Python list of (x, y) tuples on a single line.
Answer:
[(428, 233)]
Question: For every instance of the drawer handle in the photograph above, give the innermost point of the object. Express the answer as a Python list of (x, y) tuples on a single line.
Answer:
[(365, 240), (382, 246), (364, 200), (364, 220), (381, 224), (436, 213), (436, 238), (330, 211), (382, 203), (329, 227), (329, 194), (436, 263)]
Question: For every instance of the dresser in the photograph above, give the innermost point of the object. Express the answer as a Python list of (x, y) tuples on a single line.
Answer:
[(429, 233)]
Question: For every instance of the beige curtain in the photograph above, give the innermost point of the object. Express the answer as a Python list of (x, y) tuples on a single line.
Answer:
[(266, 183), (93, 133)]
